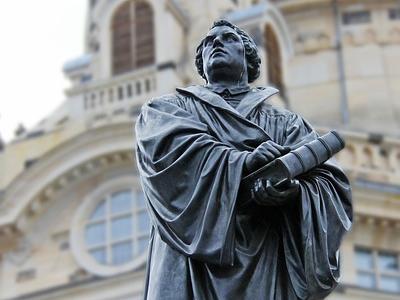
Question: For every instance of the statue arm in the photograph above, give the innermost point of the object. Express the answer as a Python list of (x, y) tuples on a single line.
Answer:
[(190, 181), (276, 183), (316, 221)]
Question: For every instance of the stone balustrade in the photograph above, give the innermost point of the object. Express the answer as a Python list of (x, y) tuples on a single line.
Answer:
[(371, 158), (117, 99)]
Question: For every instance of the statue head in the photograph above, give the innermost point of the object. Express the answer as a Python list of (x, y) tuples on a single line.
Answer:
[(229, 50)]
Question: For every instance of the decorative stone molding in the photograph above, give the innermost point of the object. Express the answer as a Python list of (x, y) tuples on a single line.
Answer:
[(8, 231), (86, 169), (375, 221), (20, 254), (61, 238), (375, 161), (79, 275), (50, 191), (9, 236), (394, 35), (93, 40), (118, 99), (26, 275), (312, 42), (356, 37), (79, 251), (371, 36)]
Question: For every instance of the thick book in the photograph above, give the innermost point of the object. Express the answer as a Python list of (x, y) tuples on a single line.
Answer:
[(300, 160)]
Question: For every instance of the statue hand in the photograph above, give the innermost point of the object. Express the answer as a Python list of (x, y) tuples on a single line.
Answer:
[(264, 154), (264, 193)]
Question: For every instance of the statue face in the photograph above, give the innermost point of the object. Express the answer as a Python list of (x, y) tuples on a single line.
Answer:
[(223, 51)]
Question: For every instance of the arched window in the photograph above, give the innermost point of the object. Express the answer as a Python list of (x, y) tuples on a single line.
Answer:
[(117, 230), (274, 66), (132, 37), (110, 230)]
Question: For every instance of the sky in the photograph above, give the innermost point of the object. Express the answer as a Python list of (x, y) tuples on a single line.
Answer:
[(37, 38)]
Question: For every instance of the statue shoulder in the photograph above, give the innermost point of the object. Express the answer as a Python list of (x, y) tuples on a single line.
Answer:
[(269, 106), (159, 100), (163, 98), (272, 110), (177, 99), (282, 114)]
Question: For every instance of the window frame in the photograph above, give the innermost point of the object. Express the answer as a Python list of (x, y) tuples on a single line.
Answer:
[(393, 13), (136, 47), (81, 218), (356, 17), (375, 271)]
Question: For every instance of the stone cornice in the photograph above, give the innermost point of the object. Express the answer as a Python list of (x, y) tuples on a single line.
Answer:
[(87, 286), (288, 6), (81, 156), (377, 221)]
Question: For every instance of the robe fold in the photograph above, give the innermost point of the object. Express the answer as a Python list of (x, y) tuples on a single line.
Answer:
[(191, 152)]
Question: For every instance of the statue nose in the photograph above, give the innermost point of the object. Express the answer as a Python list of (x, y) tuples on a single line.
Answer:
[(217, 42)]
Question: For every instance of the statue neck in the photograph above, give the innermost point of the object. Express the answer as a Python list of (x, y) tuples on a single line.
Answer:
[(228, 82)]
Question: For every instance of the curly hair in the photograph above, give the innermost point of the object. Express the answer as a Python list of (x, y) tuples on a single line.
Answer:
[(250, 48)]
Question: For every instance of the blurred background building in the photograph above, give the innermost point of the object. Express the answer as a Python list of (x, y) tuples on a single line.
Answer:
[(72, 218)]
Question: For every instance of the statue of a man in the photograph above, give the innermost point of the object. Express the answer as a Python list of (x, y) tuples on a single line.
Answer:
[(213, 238)]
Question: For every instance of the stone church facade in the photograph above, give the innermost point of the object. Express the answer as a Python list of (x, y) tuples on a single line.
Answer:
[(72, 219)]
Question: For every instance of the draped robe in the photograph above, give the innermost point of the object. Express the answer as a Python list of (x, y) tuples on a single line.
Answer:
[(191, 151)]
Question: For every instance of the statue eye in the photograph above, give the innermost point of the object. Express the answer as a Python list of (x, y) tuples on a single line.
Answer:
[(208, 40), (231, 37)]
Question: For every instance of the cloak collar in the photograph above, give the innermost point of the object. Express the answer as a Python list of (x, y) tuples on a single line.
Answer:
[(233, 90), (253, 98)]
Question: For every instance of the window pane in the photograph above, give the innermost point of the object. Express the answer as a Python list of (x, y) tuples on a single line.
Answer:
[(143, 222), (366, 280), (389, 283), (388, 262), (121, 28), (99, 212), (142, 245), (95, 234), (147, 83), (120, 93), (364, 259), (129, 90), (121, 202), (99, 255), (121, 228), (140, 199), (394, 13), (121, 253), (356, 17)]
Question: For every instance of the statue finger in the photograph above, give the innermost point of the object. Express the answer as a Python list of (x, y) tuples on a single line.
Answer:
[(264, 157), (274, 192), (281, 149), (285, 150), (274, 153)]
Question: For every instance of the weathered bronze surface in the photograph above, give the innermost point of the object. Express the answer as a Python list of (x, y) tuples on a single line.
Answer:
[(214, 235)]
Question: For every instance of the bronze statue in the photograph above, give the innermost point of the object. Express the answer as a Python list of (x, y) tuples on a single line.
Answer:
[(223, 228)]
